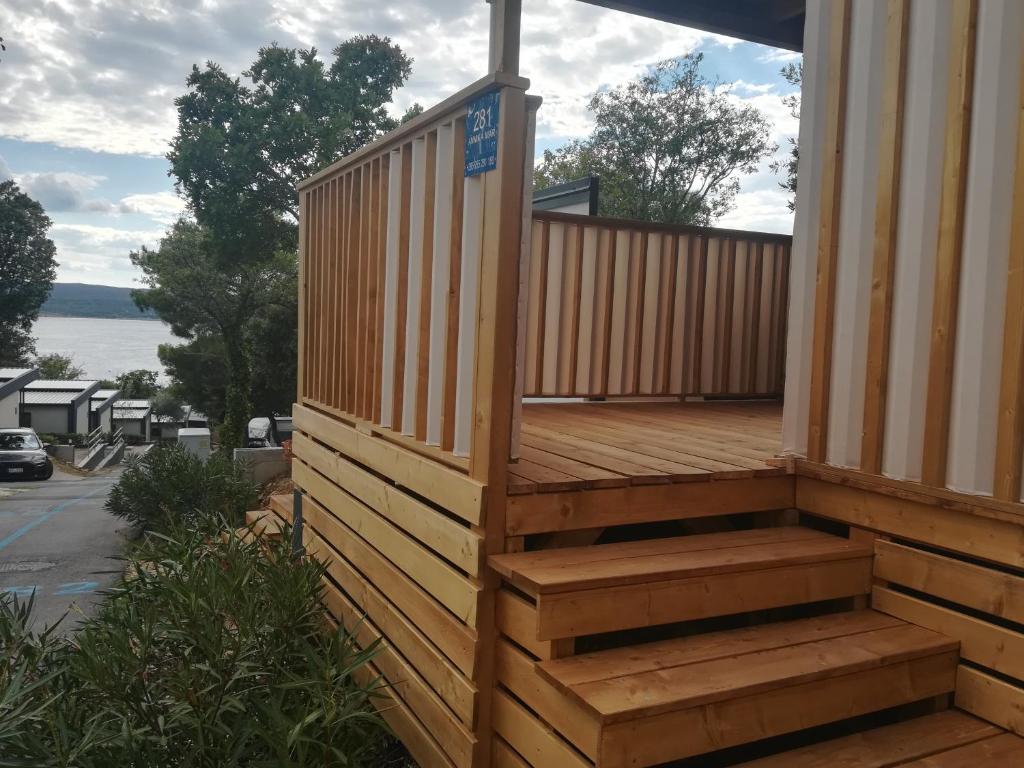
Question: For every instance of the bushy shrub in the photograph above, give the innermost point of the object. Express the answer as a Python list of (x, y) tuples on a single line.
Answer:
[(214, 652), (169, 487)]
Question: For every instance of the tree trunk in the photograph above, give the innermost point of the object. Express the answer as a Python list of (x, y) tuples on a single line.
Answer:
[(236, 398)]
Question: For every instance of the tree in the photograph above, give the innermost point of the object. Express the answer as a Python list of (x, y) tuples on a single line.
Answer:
[(197, 373), (241, 149), (167, 403), (61, 367), (793, 73), (139, 384), (668, 147), (27, 270), (199, 294), (239, 152)]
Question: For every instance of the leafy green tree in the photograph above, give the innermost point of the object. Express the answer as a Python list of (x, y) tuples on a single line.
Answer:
[(61, 367), (199, 294), (197, 373), (792, 73), (27, 270), (241, 147), (139, 384), (167, 403), (668, 147)]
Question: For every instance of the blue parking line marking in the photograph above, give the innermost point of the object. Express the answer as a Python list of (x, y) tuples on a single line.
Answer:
[(20, 591), (15, 535), (77, 588)]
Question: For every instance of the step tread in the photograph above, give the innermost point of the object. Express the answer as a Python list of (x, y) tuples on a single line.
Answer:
[(283, 503), (933, 737), (703, 677), (602, 565)]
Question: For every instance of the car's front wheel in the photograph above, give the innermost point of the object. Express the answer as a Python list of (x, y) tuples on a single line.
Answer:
[(47, 473)]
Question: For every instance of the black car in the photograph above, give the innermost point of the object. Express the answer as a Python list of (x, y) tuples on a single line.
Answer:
[(22, 456)]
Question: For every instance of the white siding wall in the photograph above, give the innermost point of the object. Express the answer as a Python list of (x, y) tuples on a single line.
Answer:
[(856, 228), (805, 229), (986, 246), (974, 409), (916, 236)]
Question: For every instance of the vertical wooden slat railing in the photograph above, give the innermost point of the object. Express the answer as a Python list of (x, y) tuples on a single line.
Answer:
[(407, 314), (629, 308), (391, 262)]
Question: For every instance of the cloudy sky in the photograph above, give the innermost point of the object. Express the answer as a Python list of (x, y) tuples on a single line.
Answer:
[(87, 90)]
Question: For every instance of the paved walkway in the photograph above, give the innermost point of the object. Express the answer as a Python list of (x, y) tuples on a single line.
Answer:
[(58, 542)]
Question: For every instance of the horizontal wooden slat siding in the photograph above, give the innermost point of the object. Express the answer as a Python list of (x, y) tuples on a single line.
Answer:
[(457, 493), (456, 542), (404, 682), (627, 308), (979, 605)]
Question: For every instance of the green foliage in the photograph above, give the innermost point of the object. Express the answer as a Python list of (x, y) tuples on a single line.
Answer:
[(167, 403), (212, 653), (241, 148), (27, 269), (792, 73), (197, 372), (201, 295), (57, 366), (227, 282), (668, 147), (139, 384), (168, 487)]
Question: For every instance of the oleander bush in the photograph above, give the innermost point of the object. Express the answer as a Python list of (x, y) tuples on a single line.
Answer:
[(168, 487), (213, 652)]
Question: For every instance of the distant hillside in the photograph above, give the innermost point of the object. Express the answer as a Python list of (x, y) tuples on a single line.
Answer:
[(83, 300)]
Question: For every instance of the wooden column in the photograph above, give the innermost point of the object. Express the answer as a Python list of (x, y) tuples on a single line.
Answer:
[(828, 237), (494, 389), (951, 235), (1010, 433), (506, 18), (887, 205)]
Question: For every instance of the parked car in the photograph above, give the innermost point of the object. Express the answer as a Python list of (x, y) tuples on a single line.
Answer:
[(262, 434), (22, 456)]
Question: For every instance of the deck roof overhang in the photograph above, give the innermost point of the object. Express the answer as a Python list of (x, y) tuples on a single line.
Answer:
[(779, 23)]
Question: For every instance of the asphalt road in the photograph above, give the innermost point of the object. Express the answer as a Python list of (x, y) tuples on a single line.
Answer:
[(58, 542)]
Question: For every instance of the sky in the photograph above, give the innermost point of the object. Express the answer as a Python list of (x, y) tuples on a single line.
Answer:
[(87, 90)]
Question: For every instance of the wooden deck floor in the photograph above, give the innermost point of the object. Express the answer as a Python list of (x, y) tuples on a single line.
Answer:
[(575, 446)]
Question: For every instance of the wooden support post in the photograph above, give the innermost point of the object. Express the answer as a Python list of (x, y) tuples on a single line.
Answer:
[(828, 237), (1010, 432), (887, 205), (951, 235), (494, 386), (506, 19)]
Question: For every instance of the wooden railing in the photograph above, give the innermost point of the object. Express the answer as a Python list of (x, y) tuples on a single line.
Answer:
[(392, 241), (627, 308)]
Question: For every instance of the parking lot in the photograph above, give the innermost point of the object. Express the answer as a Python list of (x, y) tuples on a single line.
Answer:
[(58, 543)]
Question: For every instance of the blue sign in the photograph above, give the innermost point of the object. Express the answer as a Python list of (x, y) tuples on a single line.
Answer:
[(482, 134)]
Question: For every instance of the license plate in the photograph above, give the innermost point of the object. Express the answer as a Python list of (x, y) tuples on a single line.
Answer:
[(15, 470)]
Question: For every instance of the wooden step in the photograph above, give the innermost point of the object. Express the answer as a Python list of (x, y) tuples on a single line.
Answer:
[(943, 740), (281, 504), (677, 698), (608, 587), (263, 523)]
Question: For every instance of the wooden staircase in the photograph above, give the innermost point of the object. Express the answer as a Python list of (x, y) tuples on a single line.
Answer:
[(636, 704)]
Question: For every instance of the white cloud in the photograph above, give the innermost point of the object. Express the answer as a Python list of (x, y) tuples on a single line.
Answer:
[(64, 192), (163, 207), (94, 254)]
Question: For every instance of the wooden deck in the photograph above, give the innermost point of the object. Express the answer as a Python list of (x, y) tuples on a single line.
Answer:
[(577, 446)]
